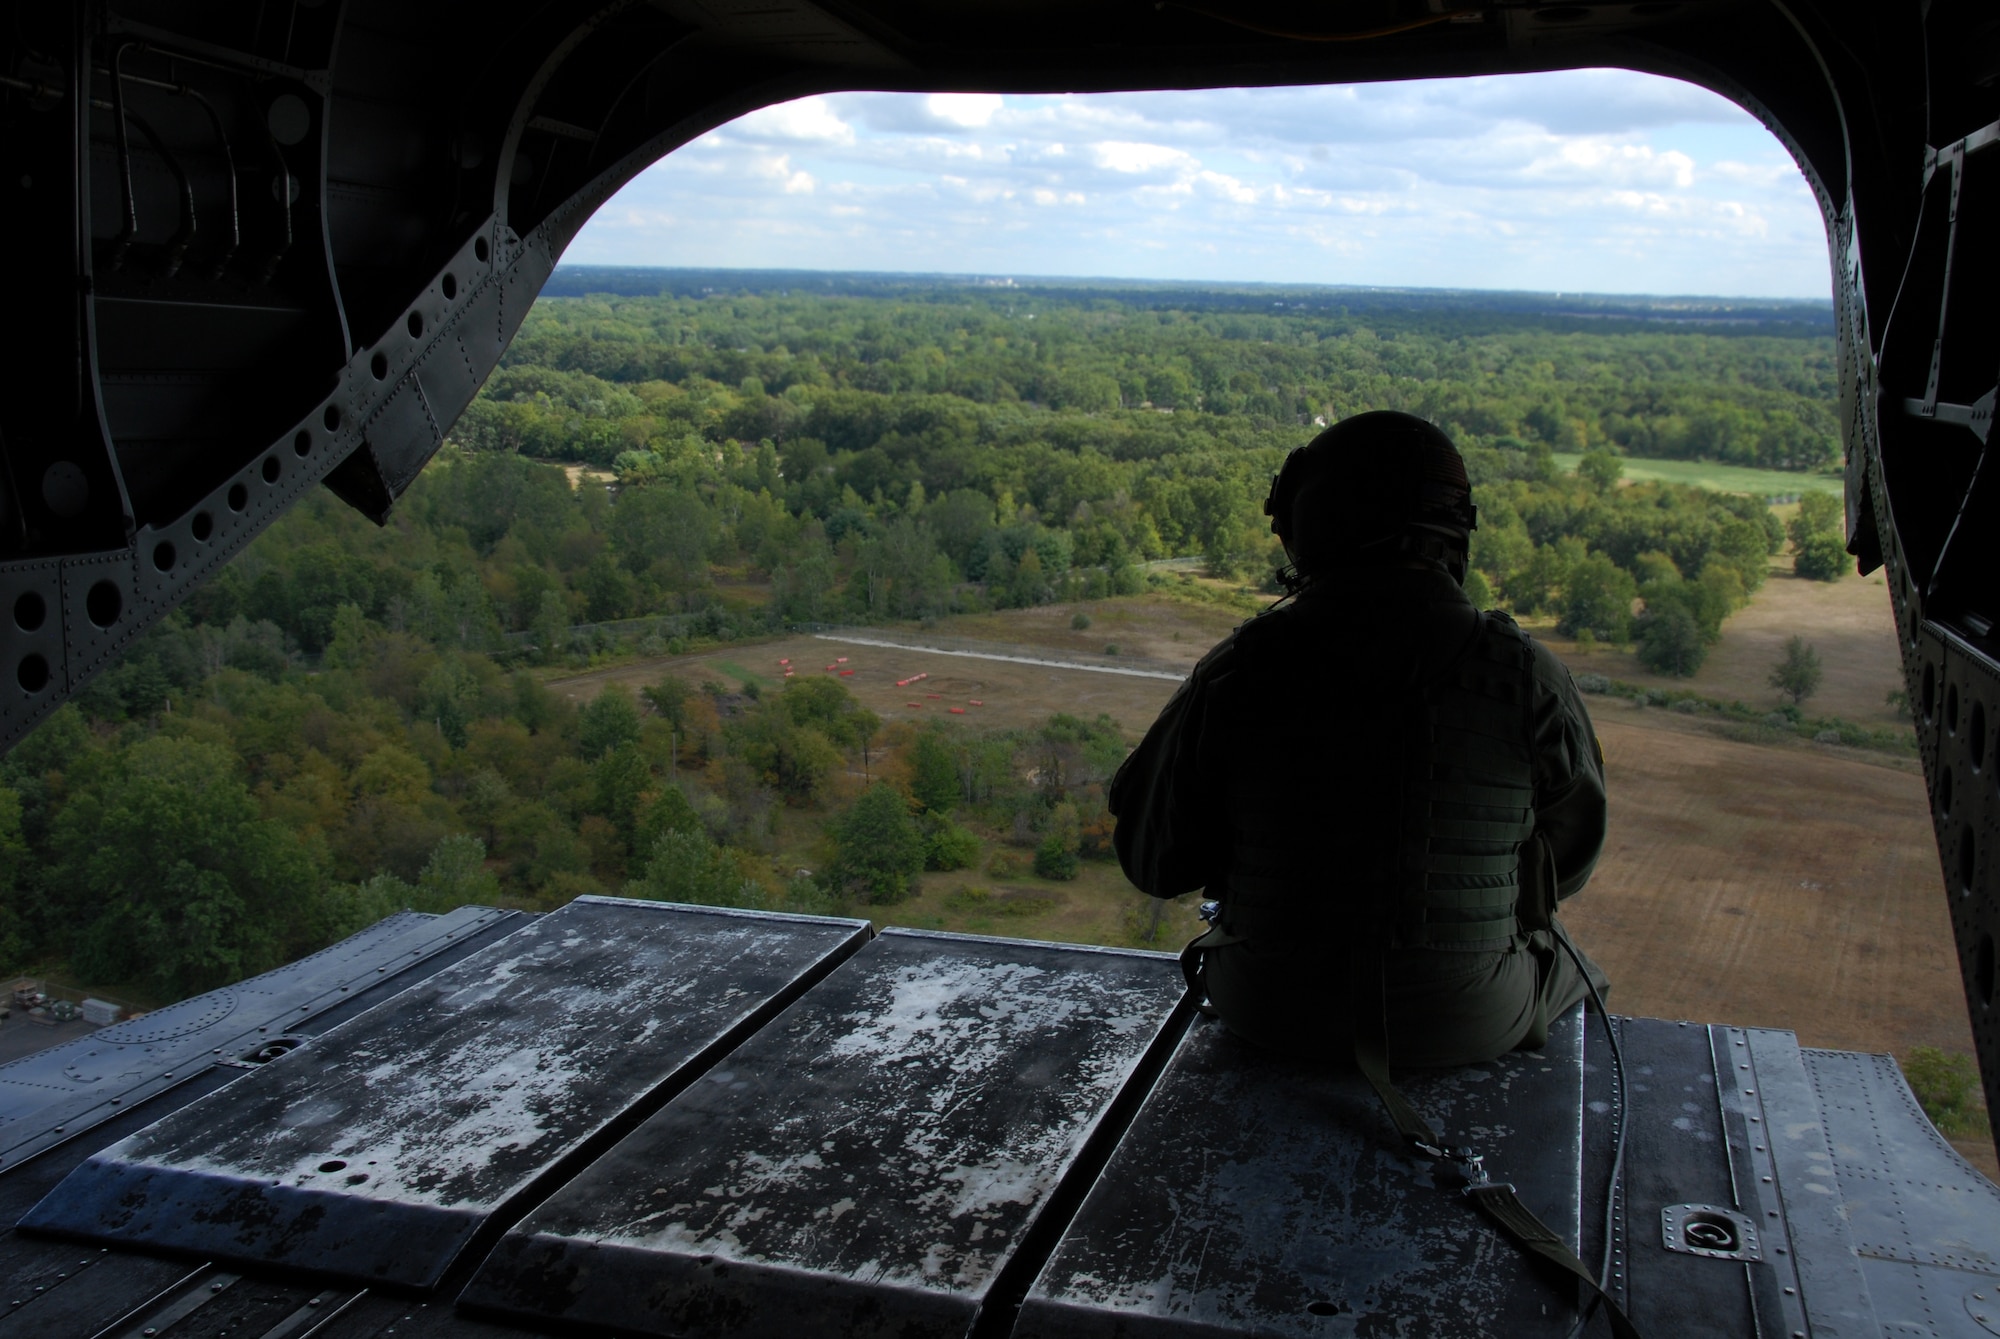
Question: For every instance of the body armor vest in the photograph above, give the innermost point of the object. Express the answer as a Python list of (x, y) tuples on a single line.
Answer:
[(1428, 855)]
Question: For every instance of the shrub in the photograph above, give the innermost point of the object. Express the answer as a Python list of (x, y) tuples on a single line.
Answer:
[(1011, 904), (1112, 649), (1054, 860), (1006, 865), (1593, 683), (949, 846), (1080, 621)]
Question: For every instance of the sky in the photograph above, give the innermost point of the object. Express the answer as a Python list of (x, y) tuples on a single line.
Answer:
[(1597, 181)]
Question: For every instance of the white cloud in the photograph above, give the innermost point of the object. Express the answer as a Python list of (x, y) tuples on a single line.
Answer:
[(809, 120), (1594, 179), (1125, 156), (968, 110)]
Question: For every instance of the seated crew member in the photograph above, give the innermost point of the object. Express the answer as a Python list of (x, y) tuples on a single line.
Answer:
[(1386, 790)]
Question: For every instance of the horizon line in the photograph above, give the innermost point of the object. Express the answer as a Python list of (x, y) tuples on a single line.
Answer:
[(1020, 279)]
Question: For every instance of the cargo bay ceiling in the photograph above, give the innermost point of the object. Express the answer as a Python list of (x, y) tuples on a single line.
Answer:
[(261, 245)]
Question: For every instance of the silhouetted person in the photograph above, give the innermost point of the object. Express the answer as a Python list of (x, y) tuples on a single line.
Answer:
[(1386, 790)]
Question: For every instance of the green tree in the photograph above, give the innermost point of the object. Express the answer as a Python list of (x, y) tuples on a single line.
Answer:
[(1597, 597), (947, 845), (1670, 641), (1822, 557), (456, 876), (1797, 674), (607, 721), (827, 706), (1816, 538), (688, 867), (878, 846), (620, 780), (795, 760), (1601, 469), (670, 697), (179, 882), (933, 761), (1818, 514)]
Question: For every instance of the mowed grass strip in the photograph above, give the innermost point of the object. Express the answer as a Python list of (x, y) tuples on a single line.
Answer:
[(1713, 474)]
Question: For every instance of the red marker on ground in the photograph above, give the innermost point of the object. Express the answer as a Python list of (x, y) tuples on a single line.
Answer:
[(847, 674), (958, 711), (975, 702)]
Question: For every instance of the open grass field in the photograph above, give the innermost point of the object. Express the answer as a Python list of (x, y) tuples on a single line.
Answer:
[(1781, 885), (1722, 478)]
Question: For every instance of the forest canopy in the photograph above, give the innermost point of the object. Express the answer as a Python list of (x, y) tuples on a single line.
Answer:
[(348, 720)]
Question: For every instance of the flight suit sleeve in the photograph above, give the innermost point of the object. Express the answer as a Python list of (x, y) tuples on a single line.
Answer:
[(1169, 837), (1570, 804)]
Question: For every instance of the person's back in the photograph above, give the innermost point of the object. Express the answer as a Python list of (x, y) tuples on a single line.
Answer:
[(1361, 777)]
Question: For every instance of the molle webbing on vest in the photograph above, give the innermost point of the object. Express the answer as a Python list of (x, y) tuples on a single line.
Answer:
[(1435, 863), (1468, 797)]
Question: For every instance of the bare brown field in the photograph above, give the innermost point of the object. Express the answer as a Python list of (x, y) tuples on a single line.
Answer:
[(1786, 886)]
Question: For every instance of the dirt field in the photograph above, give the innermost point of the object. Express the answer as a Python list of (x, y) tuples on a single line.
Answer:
[(1786, 886)]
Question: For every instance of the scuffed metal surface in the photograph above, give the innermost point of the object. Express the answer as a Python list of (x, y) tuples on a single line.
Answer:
[(865, 1166), (1925, 1223), (376, 1151), (1258, 1195), (1787, 1176), (58, 1093)]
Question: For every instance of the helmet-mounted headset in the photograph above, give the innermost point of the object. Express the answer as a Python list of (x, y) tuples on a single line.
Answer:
[(1372, 487)]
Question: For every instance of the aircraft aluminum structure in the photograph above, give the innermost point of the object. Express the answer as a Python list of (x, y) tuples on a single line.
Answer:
[(644, 1119), (273, 243)]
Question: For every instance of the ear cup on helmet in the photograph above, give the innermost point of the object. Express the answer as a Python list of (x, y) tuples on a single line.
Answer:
[(1368, 481)]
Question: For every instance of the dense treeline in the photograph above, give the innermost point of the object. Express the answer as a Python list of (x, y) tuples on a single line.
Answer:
[(1013, 368), (246, 812), (349, 719)]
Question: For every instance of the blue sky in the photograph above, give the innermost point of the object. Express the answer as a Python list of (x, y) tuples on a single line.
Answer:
[(1597, 181)]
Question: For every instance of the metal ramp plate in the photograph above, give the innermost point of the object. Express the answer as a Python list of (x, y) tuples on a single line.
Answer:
[(58, 1093), (377, 1151), (869, 1164), (1926, 1223), (1257, 1195)]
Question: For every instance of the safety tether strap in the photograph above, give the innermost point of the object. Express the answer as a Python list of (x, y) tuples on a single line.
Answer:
[(1497, 1199), (1500, 1203)]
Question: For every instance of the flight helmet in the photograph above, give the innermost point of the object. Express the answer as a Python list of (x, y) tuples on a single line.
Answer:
[(1380, 487)]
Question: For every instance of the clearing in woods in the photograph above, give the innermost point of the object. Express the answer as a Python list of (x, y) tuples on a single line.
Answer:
[(1776, 885)]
